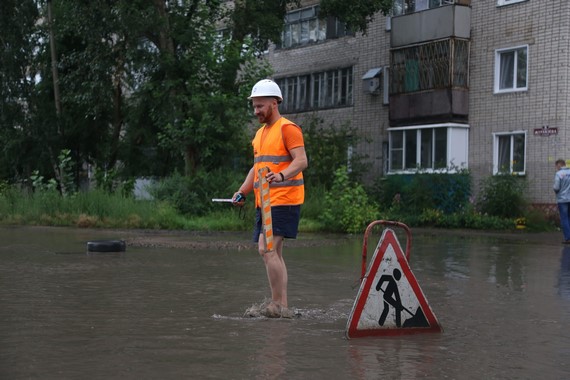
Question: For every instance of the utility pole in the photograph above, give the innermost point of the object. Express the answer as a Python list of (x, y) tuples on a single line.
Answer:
[(56, 168), (54, 63)]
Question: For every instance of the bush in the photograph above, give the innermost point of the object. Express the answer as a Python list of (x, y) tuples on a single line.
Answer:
[(445, 192), (347, 207), (314, 202), (192, 195), (327, 149), (502, 196), (476, 221)]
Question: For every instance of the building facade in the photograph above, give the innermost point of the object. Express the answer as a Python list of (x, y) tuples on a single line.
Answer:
[(440, 85)]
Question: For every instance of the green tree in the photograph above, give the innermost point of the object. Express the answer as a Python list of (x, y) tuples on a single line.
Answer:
[(347, 206), (18, 38), (327, 149), (152, 85), (204, 99)]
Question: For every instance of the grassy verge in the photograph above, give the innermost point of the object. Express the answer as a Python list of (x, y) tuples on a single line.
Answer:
[(99, 209), (95, 209)]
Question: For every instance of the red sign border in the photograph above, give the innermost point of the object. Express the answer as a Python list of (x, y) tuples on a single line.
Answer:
[(389, 238)]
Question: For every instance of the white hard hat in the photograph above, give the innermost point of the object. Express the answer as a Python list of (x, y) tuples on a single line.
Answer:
[(266, 87)]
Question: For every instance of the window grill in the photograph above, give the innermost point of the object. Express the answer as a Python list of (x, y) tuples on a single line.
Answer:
[(433, 65)]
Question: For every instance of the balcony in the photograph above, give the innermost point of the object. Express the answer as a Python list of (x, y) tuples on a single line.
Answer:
[(431, 24), (429, 66)]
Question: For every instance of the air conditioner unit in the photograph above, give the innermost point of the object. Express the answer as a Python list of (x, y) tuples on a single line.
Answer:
[(371, 81), (373, 85)]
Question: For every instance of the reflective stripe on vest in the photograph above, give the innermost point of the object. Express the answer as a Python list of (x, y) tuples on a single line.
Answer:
[(274, 159)]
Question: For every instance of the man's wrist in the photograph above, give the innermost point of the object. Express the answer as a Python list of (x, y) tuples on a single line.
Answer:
[(282, 176)]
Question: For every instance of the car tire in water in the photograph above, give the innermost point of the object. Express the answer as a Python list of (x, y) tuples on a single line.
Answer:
[(106, 246)]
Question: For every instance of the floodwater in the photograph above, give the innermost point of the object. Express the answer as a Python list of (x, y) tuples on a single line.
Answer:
[(163, 313)]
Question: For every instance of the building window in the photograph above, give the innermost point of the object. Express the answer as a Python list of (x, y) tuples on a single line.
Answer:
[(321, 90), (509, 153), (439, 64), (508, 2), (410, 6), (424, 148), (303, 26), (511, 68), (429, 147)]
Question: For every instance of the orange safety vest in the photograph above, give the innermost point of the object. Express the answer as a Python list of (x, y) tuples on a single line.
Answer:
[(276, 157)]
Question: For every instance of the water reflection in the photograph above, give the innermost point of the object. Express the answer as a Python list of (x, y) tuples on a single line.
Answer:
[(564, 277), (171, 313), (507, 268), (270, 359), (408, 357)]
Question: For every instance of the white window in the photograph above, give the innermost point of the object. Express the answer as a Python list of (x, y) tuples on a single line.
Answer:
[(428, 147), (508, 2), (509, 153), (511, 68)]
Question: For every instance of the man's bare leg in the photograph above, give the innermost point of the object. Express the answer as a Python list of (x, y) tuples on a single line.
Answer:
[(276, 271)]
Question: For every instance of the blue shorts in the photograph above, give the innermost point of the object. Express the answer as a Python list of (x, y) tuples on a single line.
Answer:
[(285, 221)]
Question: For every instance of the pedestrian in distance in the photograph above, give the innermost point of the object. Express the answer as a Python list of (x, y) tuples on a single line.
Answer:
[(279, 146), (562, 189)]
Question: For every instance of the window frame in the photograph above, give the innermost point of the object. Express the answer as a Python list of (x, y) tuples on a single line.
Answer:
[(498, 63), (403, 7), (318, 90), (501, 3), (304, 26), (496, 146), (416, 138), (298, 21), (452, 137)]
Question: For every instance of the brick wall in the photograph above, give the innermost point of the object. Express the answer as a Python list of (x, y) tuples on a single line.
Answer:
[(544, 27), (368, 113)]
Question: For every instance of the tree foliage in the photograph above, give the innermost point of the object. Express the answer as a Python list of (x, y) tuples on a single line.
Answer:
[(347, 205), (18, 133), (356, 14), (503, 196), (327, 149), (147, 86)]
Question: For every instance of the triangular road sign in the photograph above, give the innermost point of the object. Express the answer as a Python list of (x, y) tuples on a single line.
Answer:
[(390, 300)]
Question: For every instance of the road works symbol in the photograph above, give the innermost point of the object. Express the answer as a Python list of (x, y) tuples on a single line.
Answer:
[(390, 300)]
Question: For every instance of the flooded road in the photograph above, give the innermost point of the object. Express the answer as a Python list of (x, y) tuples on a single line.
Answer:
[(173, 313)]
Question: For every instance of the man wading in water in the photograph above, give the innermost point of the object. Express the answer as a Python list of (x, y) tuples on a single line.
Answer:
[(278, 145)]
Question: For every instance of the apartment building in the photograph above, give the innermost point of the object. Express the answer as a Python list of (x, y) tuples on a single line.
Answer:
[(438, 85)]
